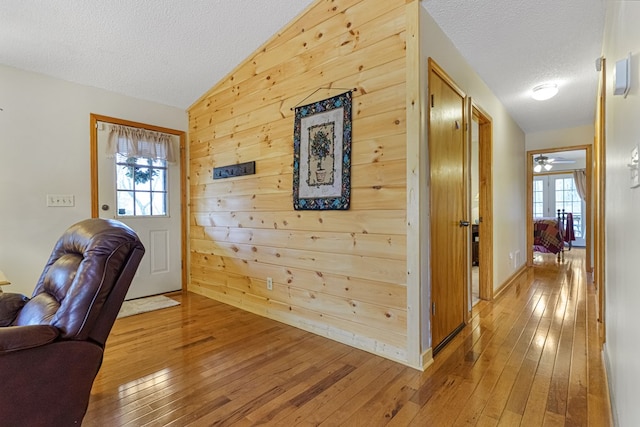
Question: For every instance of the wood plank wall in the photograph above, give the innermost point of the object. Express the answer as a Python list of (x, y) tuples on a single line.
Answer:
[(341, 274)]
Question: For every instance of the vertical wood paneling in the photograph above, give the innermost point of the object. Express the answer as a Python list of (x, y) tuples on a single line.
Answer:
[(338, 274)]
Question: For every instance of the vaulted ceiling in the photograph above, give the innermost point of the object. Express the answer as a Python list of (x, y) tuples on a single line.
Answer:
[(172, 52), (167, 51)]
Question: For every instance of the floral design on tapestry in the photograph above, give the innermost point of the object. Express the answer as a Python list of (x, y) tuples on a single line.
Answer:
[(321, 146)]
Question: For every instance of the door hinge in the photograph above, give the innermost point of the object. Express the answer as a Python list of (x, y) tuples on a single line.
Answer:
[(432, 101), (433, 308)]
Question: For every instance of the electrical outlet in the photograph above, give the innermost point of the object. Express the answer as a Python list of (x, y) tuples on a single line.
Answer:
[(269, 283), (57, 200)]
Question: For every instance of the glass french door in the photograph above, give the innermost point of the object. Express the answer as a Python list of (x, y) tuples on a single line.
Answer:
[(558, 191)]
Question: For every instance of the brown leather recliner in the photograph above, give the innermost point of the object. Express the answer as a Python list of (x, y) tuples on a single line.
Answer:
[(52, 348)]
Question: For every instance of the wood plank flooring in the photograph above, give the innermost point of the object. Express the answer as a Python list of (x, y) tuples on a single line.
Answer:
[(531, 358)]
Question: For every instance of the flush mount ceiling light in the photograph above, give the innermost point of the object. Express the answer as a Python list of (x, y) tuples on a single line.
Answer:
[(545, 91)]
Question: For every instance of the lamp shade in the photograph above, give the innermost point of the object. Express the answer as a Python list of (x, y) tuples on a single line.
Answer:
[(3, 279)]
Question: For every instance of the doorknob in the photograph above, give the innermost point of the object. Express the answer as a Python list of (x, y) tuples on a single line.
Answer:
[(105, 207), (464, 223)]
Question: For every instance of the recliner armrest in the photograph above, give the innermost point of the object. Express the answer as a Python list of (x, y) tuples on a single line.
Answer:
[(14, 338), (10, 305)]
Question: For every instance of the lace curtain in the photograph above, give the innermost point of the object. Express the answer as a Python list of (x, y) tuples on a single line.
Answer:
[(580, 179), (136, 142)]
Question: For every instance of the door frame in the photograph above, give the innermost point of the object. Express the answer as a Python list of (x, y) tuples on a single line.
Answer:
[(598, 195), (485, 188), (93, 131), (589, 203)]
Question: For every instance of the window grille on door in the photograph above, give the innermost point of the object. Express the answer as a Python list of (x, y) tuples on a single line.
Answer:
[(141, 186)]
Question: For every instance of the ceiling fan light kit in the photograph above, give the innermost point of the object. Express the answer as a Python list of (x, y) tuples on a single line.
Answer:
[(544, 91), (542, 162), (546, 162)]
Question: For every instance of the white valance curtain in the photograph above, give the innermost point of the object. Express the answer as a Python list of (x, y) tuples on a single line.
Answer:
[(580, 179), (136, 142)]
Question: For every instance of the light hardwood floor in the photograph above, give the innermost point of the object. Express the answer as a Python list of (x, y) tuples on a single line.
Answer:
[(530, 358)]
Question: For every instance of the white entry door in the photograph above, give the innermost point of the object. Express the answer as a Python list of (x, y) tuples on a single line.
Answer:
[(145, 195)]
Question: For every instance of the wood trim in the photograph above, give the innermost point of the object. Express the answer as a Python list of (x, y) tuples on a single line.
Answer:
[(485, 176), (510, 281), (184, 212), (427, 359), (433, 66), (123, 122), (467, 205), (529, 218), (588, 215), (414, 178), (563, 172), (93, 152), (599, 187)]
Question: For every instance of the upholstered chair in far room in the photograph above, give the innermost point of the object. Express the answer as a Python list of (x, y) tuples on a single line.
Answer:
[(51, 345)]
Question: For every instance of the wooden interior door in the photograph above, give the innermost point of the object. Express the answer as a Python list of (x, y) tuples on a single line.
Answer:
[(449, 223)]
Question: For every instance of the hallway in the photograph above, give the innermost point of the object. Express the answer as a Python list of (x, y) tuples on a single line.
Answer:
[(532, 357), (529, 359)]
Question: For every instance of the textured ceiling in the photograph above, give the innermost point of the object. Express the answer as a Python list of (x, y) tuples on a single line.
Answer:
[(173, 51), (515, 45), (169, 51)]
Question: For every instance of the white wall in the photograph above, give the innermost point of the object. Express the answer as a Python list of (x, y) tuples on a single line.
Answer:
[(509, 177), (44, 135), (557, 138), (622, 212)]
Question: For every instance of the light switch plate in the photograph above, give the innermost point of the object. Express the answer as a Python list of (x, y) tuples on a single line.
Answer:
[(61, 200), (634, 166)]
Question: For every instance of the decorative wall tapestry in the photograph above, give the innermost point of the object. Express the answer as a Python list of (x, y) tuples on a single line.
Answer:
[(322, 154)]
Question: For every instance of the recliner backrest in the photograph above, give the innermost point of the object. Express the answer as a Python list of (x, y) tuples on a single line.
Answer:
[(85, 267)]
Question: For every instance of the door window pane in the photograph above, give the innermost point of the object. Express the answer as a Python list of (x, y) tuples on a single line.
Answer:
[(567, 199), (557, 191), (141, 186), (125, 203), (538, 198)]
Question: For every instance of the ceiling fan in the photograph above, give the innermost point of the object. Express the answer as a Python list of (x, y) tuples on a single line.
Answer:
[(545, 162)]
